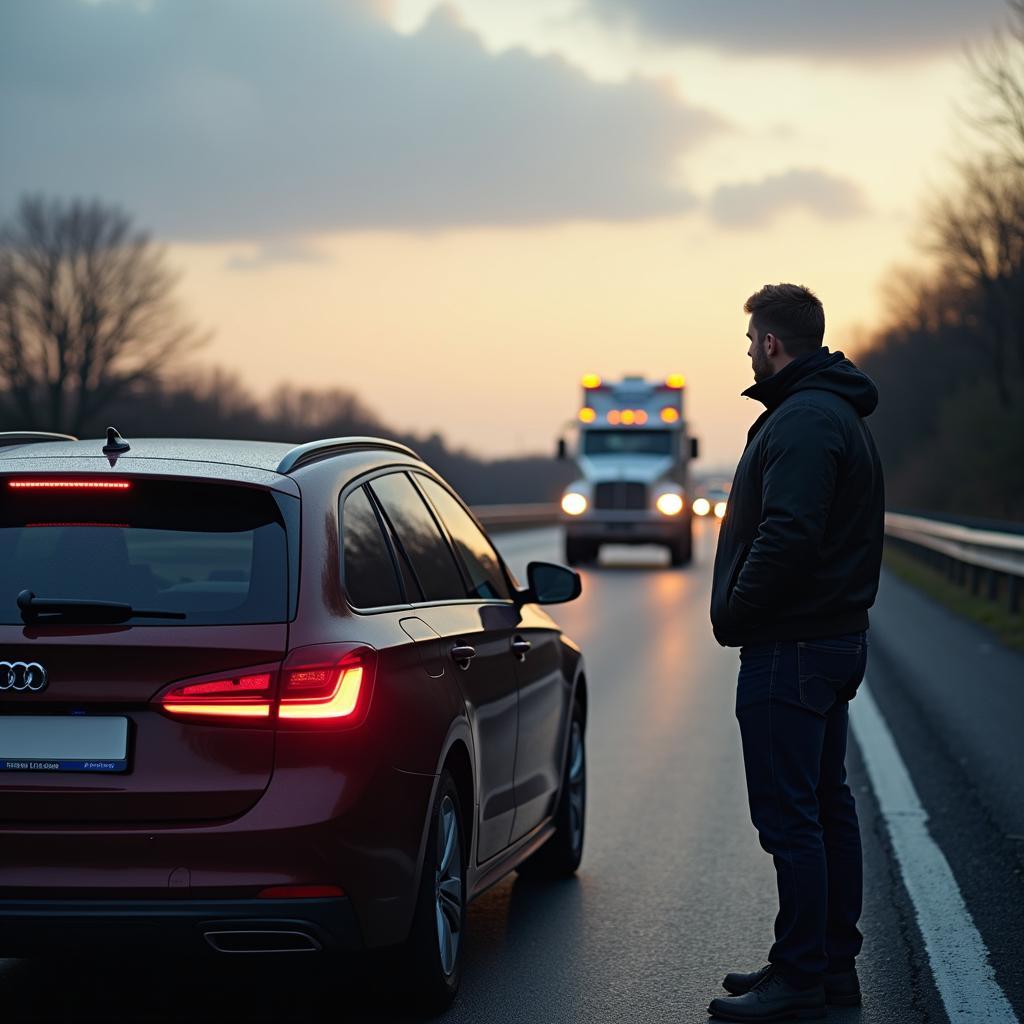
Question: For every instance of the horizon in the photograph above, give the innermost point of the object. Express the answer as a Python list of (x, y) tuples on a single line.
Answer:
[(457, 210)]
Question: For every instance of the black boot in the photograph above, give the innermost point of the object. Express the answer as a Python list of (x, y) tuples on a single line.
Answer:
[(842, 988), (771, 998)]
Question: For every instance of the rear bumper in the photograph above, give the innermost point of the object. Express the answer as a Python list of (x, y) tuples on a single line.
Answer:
[(315, 825), (197, 927)]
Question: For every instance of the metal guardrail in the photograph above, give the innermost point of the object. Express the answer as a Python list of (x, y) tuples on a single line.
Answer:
[(509, 517), (968, 555)]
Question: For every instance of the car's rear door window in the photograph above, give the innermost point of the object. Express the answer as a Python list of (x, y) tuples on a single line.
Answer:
[(214, 553), (479, 560), (431, 557), (370, 577)]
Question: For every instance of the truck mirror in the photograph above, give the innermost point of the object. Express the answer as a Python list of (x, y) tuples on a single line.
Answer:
[(694, 448), (560, 450)]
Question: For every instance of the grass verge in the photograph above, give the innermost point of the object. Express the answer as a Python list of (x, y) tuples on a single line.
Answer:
[(993, 614)]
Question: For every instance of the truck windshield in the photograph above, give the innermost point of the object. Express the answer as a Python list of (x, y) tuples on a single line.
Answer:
[(627, 442), (211, 553)]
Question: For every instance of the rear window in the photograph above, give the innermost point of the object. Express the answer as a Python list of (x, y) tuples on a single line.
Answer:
[(217, 553)]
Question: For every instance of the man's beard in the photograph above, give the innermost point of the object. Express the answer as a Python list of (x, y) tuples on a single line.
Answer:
[(761, 366)]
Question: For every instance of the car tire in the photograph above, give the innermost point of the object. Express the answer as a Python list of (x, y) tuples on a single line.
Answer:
[(433, 953), (580, 552), (572, 551), (560, 856), (680, 551)]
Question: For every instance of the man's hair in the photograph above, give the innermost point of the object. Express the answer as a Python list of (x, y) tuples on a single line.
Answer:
[(793, 313)]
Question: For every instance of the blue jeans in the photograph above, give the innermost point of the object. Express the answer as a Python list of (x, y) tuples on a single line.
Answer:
[(792, 706)]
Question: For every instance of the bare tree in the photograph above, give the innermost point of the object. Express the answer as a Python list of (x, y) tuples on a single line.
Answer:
[(980, 237), (86, 312), (978, 231), (998, 72)]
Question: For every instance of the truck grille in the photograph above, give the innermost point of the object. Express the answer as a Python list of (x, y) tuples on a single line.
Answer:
[(618, 494)]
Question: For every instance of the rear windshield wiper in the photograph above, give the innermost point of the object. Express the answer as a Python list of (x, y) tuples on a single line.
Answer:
[(60, 609)]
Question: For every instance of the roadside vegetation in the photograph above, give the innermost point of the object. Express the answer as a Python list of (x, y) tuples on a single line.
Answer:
[(950, 361)]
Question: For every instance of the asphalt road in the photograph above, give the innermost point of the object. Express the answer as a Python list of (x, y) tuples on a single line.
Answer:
[(674, 889)]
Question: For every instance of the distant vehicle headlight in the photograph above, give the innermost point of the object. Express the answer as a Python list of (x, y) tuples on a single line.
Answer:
[(720, 509), (669, 504), (574, 504), (701, 506)]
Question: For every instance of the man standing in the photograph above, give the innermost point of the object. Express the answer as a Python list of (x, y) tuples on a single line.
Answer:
[(796, 570)]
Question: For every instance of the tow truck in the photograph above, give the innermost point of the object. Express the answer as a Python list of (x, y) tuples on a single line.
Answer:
[(633, 452)]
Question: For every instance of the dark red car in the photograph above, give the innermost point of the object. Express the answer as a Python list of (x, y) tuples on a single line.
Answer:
[(257, 698)]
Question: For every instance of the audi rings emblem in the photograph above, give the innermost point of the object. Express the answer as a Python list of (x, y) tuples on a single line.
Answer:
[(21, 675)]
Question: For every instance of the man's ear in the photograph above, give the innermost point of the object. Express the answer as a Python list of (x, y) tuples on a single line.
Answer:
[(771, 345)]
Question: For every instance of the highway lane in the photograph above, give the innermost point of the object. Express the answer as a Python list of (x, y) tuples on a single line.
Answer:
[(674, 889)]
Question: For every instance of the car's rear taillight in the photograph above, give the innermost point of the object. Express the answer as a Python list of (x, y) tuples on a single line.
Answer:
[(327, 682), (244, 694)]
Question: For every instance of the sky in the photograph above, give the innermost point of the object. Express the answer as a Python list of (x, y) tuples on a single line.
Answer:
[(457, 209)]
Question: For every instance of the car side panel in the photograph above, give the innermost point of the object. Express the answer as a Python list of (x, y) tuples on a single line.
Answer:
[(545, 690), (488, 688)]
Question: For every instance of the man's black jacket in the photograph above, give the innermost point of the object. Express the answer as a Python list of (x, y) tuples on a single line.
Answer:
[(800, 546)]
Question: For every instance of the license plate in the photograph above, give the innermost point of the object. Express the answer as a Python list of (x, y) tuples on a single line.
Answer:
[(63, 743)]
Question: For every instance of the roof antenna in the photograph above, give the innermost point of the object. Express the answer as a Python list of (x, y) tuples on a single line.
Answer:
[(115, 447)]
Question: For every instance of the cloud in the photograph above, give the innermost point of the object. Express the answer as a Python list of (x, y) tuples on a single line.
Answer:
[(276, 252), (241, 120), (756, 203), (807, 27)]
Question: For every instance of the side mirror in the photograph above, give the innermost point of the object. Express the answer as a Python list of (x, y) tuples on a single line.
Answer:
[(560, 451), (548, 583), (694, 448)]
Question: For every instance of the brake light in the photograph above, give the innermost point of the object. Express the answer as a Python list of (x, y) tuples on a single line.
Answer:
[(321, 692), (70, 485), (118, 526), (324, 682), (249, 696)]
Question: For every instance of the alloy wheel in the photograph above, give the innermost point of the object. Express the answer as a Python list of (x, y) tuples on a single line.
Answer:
[(448, 885), (577, 784)]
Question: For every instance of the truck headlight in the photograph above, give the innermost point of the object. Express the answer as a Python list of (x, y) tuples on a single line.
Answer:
[(669, 504), (574, 504), (701, 506), (720, 507)]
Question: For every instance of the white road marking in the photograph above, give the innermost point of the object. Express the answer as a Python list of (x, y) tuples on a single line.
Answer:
[(956, 951)]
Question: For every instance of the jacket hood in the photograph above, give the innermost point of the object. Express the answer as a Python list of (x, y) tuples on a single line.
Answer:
[(824, 370)]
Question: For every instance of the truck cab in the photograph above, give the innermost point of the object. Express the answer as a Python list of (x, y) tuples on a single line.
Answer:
[(633, 452)]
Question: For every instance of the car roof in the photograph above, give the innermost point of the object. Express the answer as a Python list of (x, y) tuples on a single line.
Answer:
[(265, 463), (273, 456)]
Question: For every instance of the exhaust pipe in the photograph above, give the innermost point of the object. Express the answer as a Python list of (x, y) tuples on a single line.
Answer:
[(264, 940)]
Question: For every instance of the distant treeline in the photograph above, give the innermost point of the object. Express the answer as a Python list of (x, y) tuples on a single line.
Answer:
[(950, 362), (217, 404), (949, 440)]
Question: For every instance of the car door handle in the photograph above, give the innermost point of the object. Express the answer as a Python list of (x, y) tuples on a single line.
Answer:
[(520, 647), (462, 654)]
